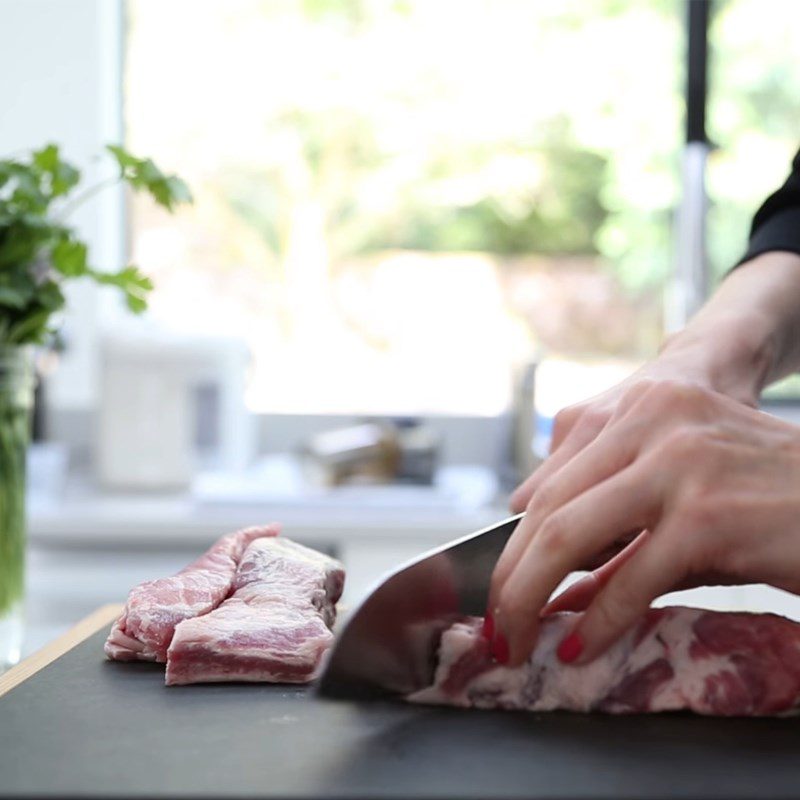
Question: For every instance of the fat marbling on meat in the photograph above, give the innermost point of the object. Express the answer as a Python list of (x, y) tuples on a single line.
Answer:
[(146, 626), (676, 658), (275, 627)]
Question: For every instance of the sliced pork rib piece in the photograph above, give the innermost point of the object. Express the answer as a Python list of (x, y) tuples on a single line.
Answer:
[(144, 630), (275, 627), (708, 662)]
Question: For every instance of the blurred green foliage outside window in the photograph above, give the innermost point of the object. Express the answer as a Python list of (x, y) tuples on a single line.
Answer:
[(540, 141)]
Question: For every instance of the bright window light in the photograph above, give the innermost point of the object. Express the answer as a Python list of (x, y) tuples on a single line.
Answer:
[(400, 201)]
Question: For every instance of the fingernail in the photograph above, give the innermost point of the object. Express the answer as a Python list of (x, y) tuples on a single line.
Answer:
[(570, 648), (500, 650), (488, 626)]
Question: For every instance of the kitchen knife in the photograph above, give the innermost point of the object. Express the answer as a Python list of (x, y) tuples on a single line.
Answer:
[(388, 644)]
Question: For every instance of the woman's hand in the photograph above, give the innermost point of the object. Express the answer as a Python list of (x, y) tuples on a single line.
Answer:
[(746, 336), (726, 355), (712, 485)]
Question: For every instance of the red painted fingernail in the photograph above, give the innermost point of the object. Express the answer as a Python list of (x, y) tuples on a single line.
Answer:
[(500, 651), (488, 627), (570, 648)]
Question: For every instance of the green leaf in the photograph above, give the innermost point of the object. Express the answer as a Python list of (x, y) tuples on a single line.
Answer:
[(24, 238), (64, 179), (27, 194), (17, 285), (133, 283), (69, 257), (47, 159), (57, 176), (13, 296), (143, 174), (31, 329), (50, 296), (124, 159), (5, 173), (17, 247)]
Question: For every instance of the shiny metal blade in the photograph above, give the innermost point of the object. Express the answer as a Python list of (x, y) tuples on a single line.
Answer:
[(388, 644)]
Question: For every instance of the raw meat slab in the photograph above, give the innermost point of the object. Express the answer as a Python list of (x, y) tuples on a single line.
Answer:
[(274, 628), (708, 662), (144, 630)]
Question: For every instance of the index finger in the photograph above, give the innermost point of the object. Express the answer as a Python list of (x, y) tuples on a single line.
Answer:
[(582, 433)]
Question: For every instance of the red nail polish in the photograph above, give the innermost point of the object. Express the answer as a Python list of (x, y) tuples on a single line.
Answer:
[(500, 651), (570, 648), (488, 627)]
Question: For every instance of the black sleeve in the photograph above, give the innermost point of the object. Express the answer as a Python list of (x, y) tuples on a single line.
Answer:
[(776, 225)]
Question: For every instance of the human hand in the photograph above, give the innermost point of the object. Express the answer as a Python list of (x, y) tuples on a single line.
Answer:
[(687, 358), (713, 484)]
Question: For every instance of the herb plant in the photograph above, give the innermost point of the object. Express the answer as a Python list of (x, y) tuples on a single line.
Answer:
[(40, 251)]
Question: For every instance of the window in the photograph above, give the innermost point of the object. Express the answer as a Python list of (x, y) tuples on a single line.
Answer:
[(398, 201)]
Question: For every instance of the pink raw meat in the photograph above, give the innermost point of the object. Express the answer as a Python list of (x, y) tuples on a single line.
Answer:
[(708, 662), (144, 630), (275, 627)]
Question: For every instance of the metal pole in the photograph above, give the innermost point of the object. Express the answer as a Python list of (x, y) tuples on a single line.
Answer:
[(691, 277)]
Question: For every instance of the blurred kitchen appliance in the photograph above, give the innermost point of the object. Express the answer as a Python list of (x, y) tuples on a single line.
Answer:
[(420, 448), (171, 405), (376, 451), (366, 453)]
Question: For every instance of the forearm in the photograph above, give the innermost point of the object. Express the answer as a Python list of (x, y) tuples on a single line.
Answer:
[(748, 333)]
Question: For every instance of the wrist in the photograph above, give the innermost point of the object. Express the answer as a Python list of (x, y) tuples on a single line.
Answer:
[(731, 353)]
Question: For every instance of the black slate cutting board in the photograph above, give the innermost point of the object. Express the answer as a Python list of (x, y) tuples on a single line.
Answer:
[(86, 727)]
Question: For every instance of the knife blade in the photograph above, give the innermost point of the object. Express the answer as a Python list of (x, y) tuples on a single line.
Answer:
[(388, 644)]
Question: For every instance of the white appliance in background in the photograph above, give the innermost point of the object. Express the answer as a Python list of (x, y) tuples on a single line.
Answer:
[(170, 406)]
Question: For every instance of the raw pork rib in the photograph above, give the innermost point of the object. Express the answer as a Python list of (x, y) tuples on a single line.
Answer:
[(144, 630), (275, 627), (709, 662)]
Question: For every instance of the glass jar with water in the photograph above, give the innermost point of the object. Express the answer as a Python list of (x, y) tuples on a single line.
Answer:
[(16, 402)]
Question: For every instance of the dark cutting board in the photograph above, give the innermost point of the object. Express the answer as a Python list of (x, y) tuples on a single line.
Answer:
[(86, 727)]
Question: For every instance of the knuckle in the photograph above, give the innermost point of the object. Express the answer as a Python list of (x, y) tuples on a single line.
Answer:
[(594, 418), (637, 390), (669, 392), (565, 419), (521, 497), (675, 396), (681, 445), (553, 534), (543, 497)]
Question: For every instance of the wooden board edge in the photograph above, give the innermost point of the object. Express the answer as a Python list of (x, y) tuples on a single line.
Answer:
[(98, 619)]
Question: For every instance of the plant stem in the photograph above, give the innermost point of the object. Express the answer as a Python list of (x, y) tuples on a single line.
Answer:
[(16, 400), (83, 197), (13, 444)]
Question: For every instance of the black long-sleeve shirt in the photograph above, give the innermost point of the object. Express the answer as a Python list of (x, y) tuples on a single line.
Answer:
[(776, 225)]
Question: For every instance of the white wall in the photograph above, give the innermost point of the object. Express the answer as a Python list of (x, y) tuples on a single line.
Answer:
[(60, 81)]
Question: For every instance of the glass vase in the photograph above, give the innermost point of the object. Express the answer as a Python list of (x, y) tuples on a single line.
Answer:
[(16, 402)]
